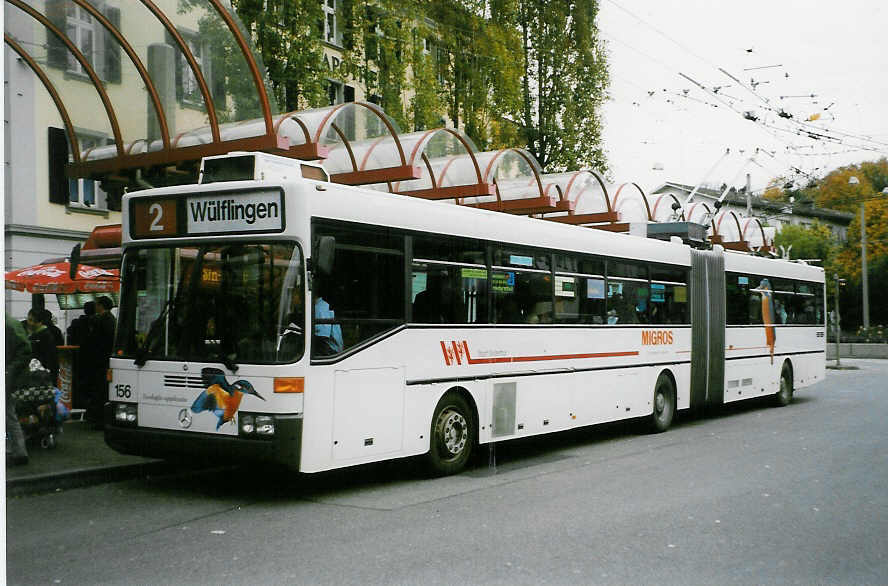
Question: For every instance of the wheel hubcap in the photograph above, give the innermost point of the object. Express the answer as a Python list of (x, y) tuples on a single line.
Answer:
[(660, 402), (454, 431)]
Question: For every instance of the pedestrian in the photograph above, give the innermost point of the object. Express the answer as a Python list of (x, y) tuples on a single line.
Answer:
[(48, 320), (18, 353), (43, 346), (100, 343), (78, 331)]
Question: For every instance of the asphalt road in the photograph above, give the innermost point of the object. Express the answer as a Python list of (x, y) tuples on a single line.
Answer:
[(750, 495)]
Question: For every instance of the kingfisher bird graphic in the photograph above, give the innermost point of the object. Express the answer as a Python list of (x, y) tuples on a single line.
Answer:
[(221, 397)]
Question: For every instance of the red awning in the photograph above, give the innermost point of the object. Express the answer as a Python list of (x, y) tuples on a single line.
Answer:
[(55, 278)]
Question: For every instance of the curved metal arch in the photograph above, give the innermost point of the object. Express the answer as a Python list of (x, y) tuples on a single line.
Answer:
[(195, 68), (97, 83), (721, 217), (428, 165), (660, 198), (491, 168), (251, 63), (419, 149), (143, 73), (330, 119), (643, 197), (601, 184), (293, 116), (60, 105), (755, 222), (690, 210), (348, 148), (470, 150)]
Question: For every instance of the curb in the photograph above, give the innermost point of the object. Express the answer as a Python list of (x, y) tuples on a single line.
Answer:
[(82, 477)]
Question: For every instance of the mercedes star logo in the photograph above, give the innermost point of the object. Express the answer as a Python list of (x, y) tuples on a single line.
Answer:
[(184, 418)]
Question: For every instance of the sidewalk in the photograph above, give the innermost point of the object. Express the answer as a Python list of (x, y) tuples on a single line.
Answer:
[(80, 458)]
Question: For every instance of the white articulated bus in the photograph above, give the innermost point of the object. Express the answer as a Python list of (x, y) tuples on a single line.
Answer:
[(276, 317)]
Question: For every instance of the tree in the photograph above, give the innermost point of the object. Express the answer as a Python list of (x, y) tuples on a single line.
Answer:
[(564, 83), (285, 32), (808, 242)]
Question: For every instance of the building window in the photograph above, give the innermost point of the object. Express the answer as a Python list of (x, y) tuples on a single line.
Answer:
[(86, 193), (187, 87), (335, 92), (81, 29), (331, 33)]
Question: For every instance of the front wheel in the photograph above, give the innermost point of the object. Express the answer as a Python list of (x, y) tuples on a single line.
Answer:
[(784, 395), (452, 435), (664, 405)]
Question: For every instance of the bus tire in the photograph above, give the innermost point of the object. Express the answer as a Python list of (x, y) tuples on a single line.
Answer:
[(452, 435), (664, 404), (784, 395)]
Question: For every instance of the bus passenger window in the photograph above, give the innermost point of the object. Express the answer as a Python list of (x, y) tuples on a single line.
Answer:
[(737, 302), (628, 292), (669, 295), (521, 297), (363, 296), (446, 294)]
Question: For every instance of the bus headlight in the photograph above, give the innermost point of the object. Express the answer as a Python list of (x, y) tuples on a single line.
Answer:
[(126, 413), (256, 425), (265, 425)]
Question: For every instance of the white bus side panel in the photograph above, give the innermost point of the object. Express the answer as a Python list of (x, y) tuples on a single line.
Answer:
[(750, 370), (378, 403)]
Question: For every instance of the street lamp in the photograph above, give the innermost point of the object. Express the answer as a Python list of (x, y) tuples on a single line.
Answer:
[(865, 280)]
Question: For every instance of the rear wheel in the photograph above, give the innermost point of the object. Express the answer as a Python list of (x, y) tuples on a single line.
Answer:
[(452, 435), (784, 395), (664, 404)]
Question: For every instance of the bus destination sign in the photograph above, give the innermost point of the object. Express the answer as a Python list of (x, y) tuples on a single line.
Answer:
[(232, 212), (254, 212)]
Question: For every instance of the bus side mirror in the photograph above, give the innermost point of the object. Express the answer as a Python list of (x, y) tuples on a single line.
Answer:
[(74, 261), (325, 254)]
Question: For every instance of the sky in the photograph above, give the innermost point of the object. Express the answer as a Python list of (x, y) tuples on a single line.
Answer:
[(837, 51)]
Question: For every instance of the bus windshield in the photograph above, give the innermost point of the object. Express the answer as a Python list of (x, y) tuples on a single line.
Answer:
[(230, 303)]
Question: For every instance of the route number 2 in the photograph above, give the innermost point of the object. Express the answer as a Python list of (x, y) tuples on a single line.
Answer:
[(123, 391), (154, 218), (156, 210)]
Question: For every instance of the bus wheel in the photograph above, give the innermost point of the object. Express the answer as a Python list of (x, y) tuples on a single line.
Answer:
[(664, 404), (784, 395), (452, 435)]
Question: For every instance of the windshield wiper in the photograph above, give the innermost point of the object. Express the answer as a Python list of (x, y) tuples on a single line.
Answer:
[(144, 349), (227, 360)]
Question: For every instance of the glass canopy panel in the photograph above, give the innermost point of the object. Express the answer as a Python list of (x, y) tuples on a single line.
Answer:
[(513, 170), (629, 203), (82, 101), (726, 225), (661, 207), (580, 187), (752, 232), (200, 27), (232, 85), (288, 127), (357, 124), (698, 212), (435, 147)]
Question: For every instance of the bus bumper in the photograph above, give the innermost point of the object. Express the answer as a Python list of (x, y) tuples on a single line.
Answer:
[(203, 448)]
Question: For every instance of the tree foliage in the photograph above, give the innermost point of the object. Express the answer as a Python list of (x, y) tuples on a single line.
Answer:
[(564, 83), (808, 242), (835, 192), (285, 32), (508, 72)]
